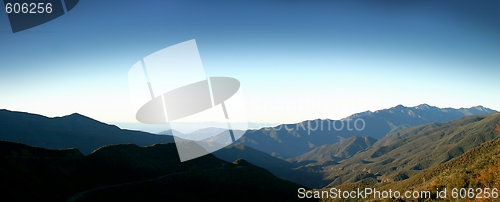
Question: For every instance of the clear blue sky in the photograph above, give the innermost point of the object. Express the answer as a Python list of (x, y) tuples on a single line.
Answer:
[(296, 60)]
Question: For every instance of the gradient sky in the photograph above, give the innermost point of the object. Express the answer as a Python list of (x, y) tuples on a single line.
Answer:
[(296, 60)]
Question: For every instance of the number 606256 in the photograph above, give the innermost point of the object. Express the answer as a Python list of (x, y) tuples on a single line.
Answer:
[(28, 8)]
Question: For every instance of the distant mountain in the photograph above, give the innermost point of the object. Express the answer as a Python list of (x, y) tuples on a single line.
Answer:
[(169, 132), (401, 116), (338, 151), (72, 131), (196, 135), (407, 152), (205, 133), (132, 173), (292, 140)]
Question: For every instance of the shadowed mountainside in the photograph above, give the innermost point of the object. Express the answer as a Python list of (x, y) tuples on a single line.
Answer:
[(132, 173), (278, 167)]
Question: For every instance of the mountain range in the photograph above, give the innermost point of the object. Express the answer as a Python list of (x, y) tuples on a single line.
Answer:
[(306, 136), (405, 153), (472, 168), (86, 134), (394, 145)]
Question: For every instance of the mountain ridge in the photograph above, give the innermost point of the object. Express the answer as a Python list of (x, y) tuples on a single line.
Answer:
[(71, 131), (308, 135), (418, 148), (291, 138), (338, 151)]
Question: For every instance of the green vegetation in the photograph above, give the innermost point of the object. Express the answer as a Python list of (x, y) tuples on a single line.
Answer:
[(335, 152), (408, 152), (477, 168)]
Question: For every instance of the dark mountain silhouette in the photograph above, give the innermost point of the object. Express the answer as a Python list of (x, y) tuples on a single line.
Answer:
[(132, 173), (233, 152), (279, 167), (72, 131), (292, 140)]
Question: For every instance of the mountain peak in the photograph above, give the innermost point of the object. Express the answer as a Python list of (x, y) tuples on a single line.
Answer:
[(424, 106), (481, 108), (365, 113), (79, 118), (76, 115)]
